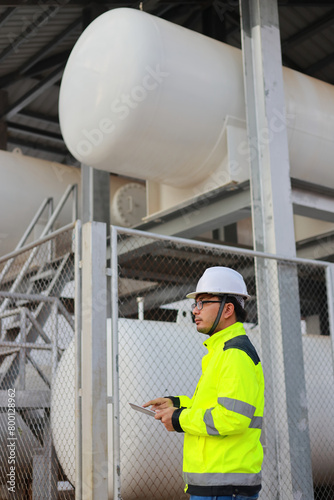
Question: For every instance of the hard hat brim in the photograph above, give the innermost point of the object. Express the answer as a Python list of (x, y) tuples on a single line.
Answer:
[(192, 295)]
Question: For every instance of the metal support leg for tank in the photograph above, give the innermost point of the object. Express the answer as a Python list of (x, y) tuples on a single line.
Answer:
[(45, 469), (95, 195), (287, 463)]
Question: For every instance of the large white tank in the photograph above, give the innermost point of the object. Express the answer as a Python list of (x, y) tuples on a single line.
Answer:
[(143, 97), (25, 182)]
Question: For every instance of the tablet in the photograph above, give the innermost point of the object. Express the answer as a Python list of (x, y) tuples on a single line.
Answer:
[(142, 410)]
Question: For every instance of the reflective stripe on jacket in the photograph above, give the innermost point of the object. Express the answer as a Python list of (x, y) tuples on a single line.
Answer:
[(222, 421)]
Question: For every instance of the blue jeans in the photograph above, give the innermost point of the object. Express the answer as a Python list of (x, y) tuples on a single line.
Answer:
[(236, 497)]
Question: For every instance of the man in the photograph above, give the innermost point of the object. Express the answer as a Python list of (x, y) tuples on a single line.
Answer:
[(222, 422)]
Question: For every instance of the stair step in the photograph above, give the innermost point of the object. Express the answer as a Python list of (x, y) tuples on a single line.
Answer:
[(45, 275)]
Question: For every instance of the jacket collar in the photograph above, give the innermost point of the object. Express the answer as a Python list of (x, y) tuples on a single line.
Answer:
[(219, 338)]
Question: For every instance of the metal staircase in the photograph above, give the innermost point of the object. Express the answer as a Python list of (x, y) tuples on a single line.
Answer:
[(32, 281), (42, 274)]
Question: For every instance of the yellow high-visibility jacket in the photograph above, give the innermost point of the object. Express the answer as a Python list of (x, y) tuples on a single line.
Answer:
[(222, 422)]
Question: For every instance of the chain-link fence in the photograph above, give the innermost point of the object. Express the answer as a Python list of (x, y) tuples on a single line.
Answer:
[(289, 322), (290, 318), (36, 318)]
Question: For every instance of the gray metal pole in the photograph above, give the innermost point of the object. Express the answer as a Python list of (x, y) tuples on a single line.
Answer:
[(94, 359), (287, 462), (78, 361), (115, 367), (95, 195)]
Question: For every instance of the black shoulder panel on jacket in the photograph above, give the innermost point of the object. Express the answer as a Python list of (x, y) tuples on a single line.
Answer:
[(243, 343)]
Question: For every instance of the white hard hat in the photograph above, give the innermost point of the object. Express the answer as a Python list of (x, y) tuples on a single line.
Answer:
[(220, 281)]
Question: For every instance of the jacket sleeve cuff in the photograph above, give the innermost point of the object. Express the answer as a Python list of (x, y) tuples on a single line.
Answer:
[(175, 400), (176, 420)]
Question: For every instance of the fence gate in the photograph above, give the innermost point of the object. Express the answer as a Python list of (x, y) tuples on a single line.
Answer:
[(158, 352)]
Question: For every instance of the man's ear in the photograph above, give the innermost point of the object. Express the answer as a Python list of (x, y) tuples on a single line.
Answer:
[(229, 310)]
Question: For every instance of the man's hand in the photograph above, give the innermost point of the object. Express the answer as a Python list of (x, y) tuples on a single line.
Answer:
[(166, 418), (159, 404), (164, 410)]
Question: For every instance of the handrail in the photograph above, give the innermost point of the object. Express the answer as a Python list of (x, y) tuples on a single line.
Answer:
[(71, 188), (39, 242), (35, 219), (33, 253)]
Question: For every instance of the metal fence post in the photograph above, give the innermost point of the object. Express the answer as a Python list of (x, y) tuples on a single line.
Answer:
[(115, 366), (94, 358), (77, 329)]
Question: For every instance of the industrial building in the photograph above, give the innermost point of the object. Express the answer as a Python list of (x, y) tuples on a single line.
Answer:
[(142, 142)]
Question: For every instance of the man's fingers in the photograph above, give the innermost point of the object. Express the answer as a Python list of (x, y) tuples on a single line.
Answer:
[(158, 403), (149, 403)]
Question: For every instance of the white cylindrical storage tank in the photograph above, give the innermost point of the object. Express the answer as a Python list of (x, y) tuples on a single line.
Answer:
[(154, 97), (25, 183), (146, 98)]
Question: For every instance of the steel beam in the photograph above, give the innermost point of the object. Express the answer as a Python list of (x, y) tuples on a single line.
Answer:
[(288, 456), (212, 211), (36, 91), (318, 247), (6, 15), (312, 205), (39, 146), (312, 29), (35, 132), (205, 212), (41, 117)]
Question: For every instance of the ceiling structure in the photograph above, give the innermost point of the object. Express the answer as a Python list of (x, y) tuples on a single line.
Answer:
[(36, 39)]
